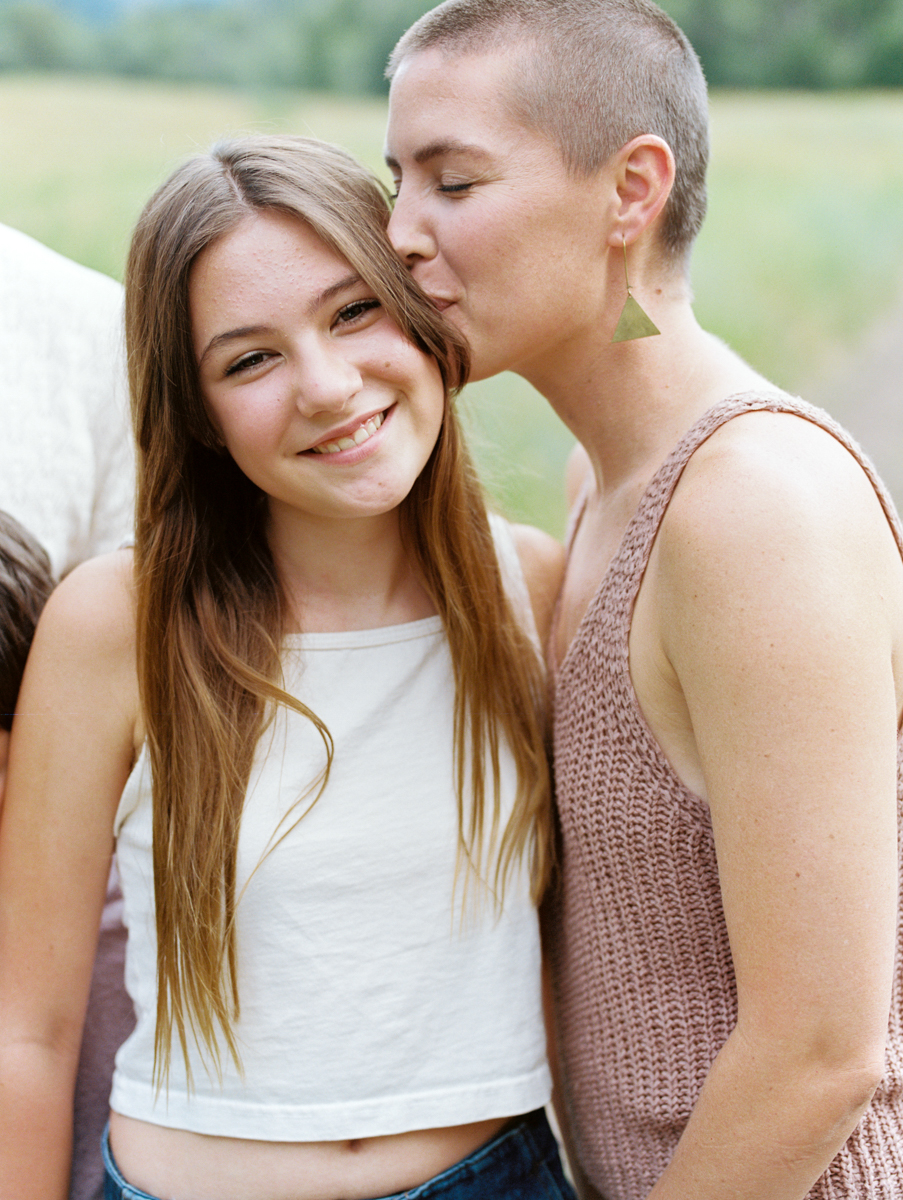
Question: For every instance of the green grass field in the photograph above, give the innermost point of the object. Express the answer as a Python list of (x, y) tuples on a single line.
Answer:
[(802, 250)]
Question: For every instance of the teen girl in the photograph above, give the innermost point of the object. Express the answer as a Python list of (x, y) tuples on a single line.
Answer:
[(309, 710)]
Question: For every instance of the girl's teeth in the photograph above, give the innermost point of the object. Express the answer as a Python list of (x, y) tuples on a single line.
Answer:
[(359, 436)]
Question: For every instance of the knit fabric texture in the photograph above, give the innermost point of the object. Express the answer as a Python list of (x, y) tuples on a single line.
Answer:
[(636, 932)]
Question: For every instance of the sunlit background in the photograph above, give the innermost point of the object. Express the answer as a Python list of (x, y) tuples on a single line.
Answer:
[(800, 264)]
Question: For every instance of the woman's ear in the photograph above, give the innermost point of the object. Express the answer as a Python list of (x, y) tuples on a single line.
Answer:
[(644, 176)]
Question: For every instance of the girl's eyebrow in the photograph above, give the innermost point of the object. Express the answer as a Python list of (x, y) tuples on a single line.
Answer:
[(233, 335), (334, 289)]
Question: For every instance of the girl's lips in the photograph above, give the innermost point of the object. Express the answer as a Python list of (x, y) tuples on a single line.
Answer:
[(355, 437)]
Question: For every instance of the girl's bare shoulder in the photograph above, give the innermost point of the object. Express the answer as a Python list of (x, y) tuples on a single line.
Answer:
[(87, 632), (96, 602)]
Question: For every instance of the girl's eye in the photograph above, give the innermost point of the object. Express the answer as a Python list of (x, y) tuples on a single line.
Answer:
[(254, 359), (356, 310), (451, 189)]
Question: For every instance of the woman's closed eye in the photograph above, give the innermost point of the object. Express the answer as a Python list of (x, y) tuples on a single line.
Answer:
[(458, 188)]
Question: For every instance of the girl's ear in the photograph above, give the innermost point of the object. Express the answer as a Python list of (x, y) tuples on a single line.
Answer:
[(644, 176)]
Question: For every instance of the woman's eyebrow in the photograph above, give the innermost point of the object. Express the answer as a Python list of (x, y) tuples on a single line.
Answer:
[(439, 149)]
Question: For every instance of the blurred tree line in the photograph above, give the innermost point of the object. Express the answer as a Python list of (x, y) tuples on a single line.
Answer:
[(342, 45)]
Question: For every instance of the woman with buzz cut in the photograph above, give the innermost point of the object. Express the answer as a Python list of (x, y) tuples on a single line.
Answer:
[(727, 651)]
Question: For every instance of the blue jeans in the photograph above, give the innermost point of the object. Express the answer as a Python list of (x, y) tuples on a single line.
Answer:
[(520, 1163)]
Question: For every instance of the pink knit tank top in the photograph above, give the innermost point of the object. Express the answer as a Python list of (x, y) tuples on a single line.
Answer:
[(640, 954)]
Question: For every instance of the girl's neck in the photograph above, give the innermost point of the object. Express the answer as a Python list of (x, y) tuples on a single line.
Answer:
[(345, 574)]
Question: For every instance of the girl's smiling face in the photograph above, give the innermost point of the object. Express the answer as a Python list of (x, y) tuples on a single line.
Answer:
[(313, 389)]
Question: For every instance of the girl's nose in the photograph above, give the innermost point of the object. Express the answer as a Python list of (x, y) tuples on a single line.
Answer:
[(326, 379)]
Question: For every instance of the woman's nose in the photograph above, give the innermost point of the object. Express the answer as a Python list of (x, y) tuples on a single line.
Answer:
[(408, 231)]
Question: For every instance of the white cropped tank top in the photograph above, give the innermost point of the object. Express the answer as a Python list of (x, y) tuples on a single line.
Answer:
[(369, 1006)]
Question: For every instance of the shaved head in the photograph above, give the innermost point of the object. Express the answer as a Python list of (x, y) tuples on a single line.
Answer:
[(591, 75)]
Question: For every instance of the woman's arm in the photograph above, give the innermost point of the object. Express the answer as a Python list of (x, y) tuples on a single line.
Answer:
[(73, 745), (778, 592)]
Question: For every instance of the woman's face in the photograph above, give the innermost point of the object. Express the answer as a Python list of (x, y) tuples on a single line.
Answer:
[(316, 394)]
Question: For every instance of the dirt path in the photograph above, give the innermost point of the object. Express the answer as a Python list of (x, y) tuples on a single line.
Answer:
[(863, 389)]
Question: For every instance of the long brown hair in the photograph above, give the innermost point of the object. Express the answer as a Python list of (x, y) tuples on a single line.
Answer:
[(210, 609)]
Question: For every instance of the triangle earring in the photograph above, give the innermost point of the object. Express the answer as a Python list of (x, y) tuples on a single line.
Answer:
[(633, 322)]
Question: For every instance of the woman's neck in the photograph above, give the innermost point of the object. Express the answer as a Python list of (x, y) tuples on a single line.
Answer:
[(345, 574), (628, 405)]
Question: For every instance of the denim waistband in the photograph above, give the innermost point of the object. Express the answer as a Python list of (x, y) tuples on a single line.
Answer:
[(520, 1163)]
